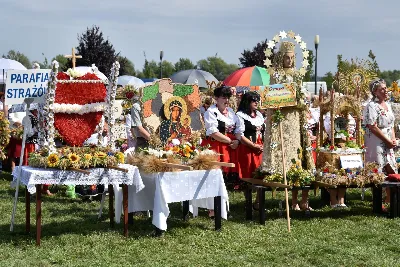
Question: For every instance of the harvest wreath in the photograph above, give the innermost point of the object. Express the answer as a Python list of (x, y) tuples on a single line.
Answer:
[(75, 104)]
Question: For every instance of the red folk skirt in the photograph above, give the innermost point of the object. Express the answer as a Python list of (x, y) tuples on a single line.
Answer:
[(15, 147), (314, 153), (249, 160), (227, 154)]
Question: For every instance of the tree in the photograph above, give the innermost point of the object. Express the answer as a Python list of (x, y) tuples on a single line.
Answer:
[(217, 67), (94, 49), (375, 65), (390, 76), (328, 78), (126, 66), (184, 64), (167, 69), (256, 56), (20, 57), (62, 62), (310, 75), (149, 69)]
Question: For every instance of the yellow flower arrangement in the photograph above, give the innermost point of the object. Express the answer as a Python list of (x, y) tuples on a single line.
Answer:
[(120, 157), (187, 151), (53, 160), (88, 157)]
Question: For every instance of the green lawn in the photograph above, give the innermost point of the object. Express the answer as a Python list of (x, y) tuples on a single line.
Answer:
[(73, 236)]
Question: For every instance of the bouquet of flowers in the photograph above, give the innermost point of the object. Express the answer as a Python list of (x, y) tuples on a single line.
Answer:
[(121, 144), (295, 176)]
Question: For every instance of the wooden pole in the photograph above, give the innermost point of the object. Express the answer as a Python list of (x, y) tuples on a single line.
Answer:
[(321, 119), (284, 175)]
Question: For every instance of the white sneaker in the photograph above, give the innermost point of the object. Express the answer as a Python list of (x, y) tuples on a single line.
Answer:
[(334, 206), (342, 205)]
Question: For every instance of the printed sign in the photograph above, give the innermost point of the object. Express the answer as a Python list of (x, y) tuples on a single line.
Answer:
[(278, 95), (351, 161), (23, 84)]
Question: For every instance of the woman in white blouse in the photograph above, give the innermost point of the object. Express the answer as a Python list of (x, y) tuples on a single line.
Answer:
[(379, 136), (223, 131)]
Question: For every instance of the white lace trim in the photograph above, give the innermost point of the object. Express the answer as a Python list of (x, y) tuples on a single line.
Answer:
[(257, 121), (33, 176)]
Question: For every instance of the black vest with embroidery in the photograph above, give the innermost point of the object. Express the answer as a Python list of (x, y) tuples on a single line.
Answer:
[(222, 126), (250, 131)]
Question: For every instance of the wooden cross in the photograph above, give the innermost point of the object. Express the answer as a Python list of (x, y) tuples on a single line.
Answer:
[(73, 57)]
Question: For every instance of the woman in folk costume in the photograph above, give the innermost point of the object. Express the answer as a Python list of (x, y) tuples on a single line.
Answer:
[(223, 132), (223, 128), (295, 136), (252, 124)]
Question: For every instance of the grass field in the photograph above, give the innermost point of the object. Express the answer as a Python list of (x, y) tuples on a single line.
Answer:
[(73, 236)]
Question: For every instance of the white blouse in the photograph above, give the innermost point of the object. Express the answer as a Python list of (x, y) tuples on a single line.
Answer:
[(211, 120), (257, 121)]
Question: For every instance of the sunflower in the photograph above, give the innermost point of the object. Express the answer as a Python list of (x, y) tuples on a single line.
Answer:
[(53, 160), (87, 157), (100, 155), (73, 158), (120, 157)]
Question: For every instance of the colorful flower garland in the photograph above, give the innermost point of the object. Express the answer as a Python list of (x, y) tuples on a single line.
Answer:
[(76, 157), (48, 112), (111, 93)]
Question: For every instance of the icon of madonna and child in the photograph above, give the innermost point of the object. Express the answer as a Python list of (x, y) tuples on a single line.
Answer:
[(177, 123)]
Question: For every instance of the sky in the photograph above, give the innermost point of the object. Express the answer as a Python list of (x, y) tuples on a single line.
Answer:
[(199, 29)]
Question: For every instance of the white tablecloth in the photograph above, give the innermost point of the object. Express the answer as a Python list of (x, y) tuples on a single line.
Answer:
[(200, 187), (33, 176)]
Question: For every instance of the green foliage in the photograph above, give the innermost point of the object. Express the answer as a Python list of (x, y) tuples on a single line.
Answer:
[(150, 92), (167, 69), (217, 67), (390, 76), (310, 75), (126, 66), (149, 70), (278, 116), (328, 78), (182, 90), (95, 49), (256, 56), (20, 57), (62, 62), (375, 65), (184, 64)]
